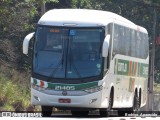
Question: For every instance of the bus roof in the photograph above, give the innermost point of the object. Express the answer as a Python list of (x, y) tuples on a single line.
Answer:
[(81, 17)]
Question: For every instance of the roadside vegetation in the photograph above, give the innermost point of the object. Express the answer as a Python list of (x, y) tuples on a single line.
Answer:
[(157, 88), (15, 91)]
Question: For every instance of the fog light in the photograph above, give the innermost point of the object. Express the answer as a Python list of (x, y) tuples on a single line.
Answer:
[(37, 98), (93, 100)]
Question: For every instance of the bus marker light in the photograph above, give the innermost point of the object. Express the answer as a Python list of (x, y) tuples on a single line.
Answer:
[(64, 100), (37, 98), (70, 24), (93, 100), (42, 83)]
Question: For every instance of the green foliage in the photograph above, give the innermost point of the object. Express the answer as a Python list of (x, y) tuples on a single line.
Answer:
[(157, 76), (12, 96), (40, 1), (13, 17), (156, 88)]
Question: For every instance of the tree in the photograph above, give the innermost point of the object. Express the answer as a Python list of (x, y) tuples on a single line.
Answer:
[(41, 4)]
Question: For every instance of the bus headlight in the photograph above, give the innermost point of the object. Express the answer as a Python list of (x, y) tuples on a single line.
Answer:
[(37, 87), (95, 89)]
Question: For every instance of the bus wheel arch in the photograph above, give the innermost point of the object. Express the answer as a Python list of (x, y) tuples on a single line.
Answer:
[(140, 96), (105, 112), (135, 101), (112, 95)]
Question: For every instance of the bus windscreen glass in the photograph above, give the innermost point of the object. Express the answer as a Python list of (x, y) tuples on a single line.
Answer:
[(68, 53)]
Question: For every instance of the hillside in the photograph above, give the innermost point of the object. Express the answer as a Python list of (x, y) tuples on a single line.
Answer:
[(14, 80)]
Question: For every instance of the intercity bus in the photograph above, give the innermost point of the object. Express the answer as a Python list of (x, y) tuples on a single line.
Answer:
[(88, 60)]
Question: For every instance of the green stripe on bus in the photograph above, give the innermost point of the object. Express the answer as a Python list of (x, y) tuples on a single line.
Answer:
[(130, 68), (122, 67), (144, 70), (35, 81), (76, 86), (115, 67)]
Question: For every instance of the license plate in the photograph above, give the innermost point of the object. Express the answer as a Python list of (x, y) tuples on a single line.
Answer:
[(64, 100)]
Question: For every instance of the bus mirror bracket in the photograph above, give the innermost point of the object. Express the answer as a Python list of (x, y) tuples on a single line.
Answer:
[(106, 46), (26, 42)]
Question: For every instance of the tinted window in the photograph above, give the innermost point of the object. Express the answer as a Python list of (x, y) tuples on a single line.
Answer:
[(130, 42)]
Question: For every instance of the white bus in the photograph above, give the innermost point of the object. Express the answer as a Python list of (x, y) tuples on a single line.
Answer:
[(88, 59)]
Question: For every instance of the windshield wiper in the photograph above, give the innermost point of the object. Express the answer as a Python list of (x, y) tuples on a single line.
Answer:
[(71, 61), (60, 63)]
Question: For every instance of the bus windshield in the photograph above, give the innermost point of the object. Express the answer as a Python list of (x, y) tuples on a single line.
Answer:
[(68, 52)]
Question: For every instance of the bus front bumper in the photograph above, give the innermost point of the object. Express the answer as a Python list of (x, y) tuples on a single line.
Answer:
[(93, 100)]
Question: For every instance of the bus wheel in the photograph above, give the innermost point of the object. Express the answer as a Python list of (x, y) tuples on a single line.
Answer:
[(136, 104), (46, 111), (79, 113), (134, 109), (105, 112)]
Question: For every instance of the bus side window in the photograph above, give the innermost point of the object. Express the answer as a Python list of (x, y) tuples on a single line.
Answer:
[(146, 47), (115, 41), (121, 42), (133, 43), (127, 41)]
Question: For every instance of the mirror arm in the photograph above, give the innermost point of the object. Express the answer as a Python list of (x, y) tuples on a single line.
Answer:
[(26, 42)]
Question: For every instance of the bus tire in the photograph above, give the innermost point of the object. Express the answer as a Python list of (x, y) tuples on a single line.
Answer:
[(105, 112), (134, 109), (136, 104), (46, 111)]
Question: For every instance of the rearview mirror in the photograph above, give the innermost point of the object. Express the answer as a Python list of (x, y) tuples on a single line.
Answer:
[(26, 43), (105, 46)]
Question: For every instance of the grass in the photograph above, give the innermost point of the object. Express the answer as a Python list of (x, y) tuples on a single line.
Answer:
[(12, 96), (14, 91), (157, 88)]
